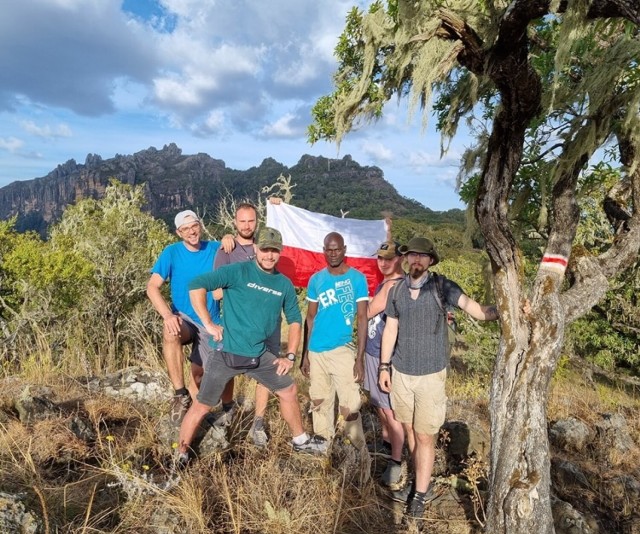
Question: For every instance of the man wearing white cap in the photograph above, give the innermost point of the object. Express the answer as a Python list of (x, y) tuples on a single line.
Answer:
[(180, 263)]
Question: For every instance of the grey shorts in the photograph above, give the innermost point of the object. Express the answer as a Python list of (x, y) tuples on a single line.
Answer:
[(377, 397), (199, 339), (217, 374)]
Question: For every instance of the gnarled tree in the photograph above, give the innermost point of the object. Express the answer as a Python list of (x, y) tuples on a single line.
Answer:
[(491, 55)]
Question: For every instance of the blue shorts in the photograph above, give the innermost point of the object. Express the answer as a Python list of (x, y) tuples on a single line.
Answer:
[(377, 397)]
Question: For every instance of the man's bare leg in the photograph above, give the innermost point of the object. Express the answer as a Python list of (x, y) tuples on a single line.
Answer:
[(290, 409), (423, 458)]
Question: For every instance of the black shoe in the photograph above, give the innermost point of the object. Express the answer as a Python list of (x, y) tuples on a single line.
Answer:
[(417, 503), (403, 495)]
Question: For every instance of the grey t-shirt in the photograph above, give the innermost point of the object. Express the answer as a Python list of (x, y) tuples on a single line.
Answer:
[(421, 346), (238, 254)]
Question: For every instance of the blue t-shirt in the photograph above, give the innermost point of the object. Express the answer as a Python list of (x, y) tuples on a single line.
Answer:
[(180, 265), (337, 297)]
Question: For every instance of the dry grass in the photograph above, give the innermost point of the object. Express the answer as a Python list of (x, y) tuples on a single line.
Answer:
[(123, 481)]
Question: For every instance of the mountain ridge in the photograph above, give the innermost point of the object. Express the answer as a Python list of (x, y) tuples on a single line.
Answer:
[(174, 181)]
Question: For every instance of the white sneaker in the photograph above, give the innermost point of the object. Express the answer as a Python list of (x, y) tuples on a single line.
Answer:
[(314, 445)]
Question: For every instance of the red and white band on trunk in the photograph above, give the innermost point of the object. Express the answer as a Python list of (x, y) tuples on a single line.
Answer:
[(554, 262)]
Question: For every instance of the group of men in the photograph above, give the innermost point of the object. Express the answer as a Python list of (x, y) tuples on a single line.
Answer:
[(400, 350)]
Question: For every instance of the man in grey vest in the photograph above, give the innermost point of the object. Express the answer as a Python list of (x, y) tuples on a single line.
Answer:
[(417, 329)]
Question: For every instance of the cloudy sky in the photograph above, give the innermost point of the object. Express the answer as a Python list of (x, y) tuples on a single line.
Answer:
[(233, 78)]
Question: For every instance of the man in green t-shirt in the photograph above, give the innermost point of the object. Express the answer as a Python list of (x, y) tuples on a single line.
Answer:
[(255, 294)]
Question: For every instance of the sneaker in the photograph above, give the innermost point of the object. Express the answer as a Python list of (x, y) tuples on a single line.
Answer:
[(226, 417), (179, 406), (258, 434), (314, 445), (402, 495), (416, 506), (392, 474), (380, 448)]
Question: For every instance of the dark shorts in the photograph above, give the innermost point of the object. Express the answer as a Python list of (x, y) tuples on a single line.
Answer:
[(377, 397), (217, 374), (199, 339)]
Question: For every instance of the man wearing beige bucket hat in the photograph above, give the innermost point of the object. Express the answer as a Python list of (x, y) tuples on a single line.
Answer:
[(416, 336)]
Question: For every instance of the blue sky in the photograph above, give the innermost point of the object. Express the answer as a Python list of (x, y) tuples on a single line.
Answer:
[(235, 79)]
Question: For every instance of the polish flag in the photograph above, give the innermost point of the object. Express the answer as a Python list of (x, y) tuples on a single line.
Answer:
[(303, 234)]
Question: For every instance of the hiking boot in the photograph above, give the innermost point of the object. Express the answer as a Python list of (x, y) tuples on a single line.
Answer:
[(226, 417), (380, 448), (179, 406), (402, 495), (258, 433), (392, 474), (314, 445), (417, 503)]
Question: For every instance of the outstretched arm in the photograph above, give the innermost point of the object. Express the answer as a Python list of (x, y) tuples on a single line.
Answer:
[(478, 311)]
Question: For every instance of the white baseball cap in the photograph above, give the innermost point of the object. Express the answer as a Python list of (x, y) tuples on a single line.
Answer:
[(184, 217)]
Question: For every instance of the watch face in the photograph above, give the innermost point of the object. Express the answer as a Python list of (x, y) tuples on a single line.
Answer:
[(291, 357)]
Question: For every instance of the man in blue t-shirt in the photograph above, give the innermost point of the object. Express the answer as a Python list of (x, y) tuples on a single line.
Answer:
[(179, 263), (338, 297)]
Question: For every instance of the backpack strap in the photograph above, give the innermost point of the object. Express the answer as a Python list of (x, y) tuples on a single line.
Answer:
[(438, 290)]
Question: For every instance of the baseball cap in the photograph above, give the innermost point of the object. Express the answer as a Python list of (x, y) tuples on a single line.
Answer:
[(421, 245), (388, 250), (184, 217), (269, 238)]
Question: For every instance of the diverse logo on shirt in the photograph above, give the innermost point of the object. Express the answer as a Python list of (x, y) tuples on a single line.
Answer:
[(264, 289)]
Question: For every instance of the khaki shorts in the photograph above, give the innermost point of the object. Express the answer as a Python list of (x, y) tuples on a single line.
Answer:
[(420, 400)]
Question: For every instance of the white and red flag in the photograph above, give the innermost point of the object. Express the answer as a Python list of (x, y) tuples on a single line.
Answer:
[(303, 234)]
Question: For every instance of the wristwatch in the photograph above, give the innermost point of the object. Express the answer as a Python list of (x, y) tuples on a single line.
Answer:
[(290, 356)]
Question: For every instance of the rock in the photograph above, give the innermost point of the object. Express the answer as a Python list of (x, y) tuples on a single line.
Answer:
[(14, 517), (82, 428), (133, 383), (463, 439), (571, 434), (565, 473), (616, 444), (32, 408), (567, 520), (623, 490)]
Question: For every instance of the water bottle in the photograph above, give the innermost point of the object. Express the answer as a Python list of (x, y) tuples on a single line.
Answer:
[(216, 345)]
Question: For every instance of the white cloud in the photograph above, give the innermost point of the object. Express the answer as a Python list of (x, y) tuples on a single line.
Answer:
[(11, 144), (377, 151), (46, 131), (283, 127)]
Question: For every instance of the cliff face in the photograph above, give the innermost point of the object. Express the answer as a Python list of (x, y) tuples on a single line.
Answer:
[(174, 181)]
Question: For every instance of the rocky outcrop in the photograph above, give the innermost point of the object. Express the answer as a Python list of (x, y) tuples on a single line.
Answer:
[(174, 181)]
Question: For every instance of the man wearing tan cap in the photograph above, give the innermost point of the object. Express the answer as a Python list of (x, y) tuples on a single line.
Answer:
[(416, 336), (390, 265)]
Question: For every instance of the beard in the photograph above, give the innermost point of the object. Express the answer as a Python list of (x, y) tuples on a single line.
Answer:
[(416, 271)]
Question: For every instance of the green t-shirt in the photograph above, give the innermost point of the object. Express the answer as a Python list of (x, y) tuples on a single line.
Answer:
[(253, 301)]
